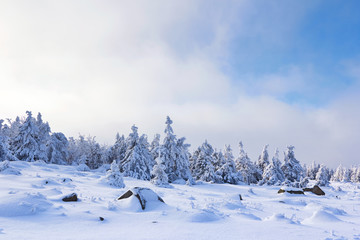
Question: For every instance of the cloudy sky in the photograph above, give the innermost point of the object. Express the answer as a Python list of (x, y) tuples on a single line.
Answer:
[(265, 72)]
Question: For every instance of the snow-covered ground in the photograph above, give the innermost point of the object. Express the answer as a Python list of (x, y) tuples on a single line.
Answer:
[(31, 208)]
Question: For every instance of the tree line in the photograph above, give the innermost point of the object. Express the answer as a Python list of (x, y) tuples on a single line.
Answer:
[(162, 162)]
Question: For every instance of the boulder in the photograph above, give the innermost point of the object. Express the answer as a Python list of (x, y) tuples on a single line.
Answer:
[(290, 191), (144, 195), (316, 190), (70, 198)]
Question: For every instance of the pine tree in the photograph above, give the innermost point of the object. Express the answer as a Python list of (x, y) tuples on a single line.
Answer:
[(159, 176), (43, 137), (118, 150), (247, 170), (204, 169), (114, 177), (322, 176), (154, 146), (338, 174), (273, 175), (57, 151), (138, 160), (312, 170), (26, 144), (263, 161), (228, 170), (292, 169), (176, 155)]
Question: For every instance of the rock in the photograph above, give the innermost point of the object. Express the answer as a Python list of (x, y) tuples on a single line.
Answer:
[(144, 195), (291, 191), (101, 218), (316, 190), (70, 198)]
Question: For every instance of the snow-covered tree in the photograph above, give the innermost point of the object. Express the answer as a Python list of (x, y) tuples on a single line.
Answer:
[(154, 146), (346, 175), (273, 175), (114, 176), (137, 162), (159, 176), (57, 151), (247, 170), (26, 144), (292, 169), (338, 174), (322, 176), (355, 174), (312, 170), (227, 171), (263, 160), (43, 137), (203, 166), (5, 152), (175, 154), (118, 150)]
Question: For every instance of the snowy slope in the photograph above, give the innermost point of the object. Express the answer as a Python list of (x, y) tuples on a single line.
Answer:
[(31, 208)]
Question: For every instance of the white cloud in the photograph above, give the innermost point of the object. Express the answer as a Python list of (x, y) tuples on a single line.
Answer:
[(97, 67)]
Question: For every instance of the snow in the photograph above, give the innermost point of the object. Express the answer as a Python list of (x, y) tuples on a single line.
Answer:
[(31, 208)]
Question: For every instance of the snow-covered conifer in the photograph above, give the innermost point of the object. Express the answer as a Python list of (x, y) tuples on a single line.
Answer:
[(57, 151), (228, 170), (137, 162), (247, 170), (338, 174), (312, 170), (154, 146), (273, 174), (322, 176), (26, 145), (291, 167), (204, 169), (114, 176), (159, 176), (263, 160), (175, 154), (117, 151), (43, 137)]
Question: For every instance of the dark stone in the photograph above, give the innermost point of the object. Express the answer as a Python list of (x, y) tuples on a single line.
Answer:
[(315, 190), (101, 218), (240, 197), (70, 198), (126, 195), (291, 191)]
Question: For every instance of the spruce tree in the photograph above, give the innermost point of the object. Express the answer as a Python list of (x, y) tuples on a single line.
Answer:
[(247, 170), (322, 176), (57, 151), (114, 176), (292, 169), (159, 176), (228, 170), (138, 159), (204, 169), (263, 160)]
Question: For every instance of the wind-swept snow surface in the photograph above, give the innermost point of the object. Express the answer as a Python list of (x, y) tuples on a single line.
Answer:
[(31, 207)]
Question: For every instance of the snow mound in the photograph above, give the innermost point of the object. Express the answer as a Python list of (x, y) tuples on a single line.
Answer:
[(320, 216), (205, 216), (83, 167), (280, 217), (250, 216), (23, 204), (6, 169)]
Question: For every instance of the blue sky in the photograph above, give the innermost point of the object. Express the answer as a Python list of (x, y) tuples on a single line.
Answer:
[(264, 72), (322, 37)]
